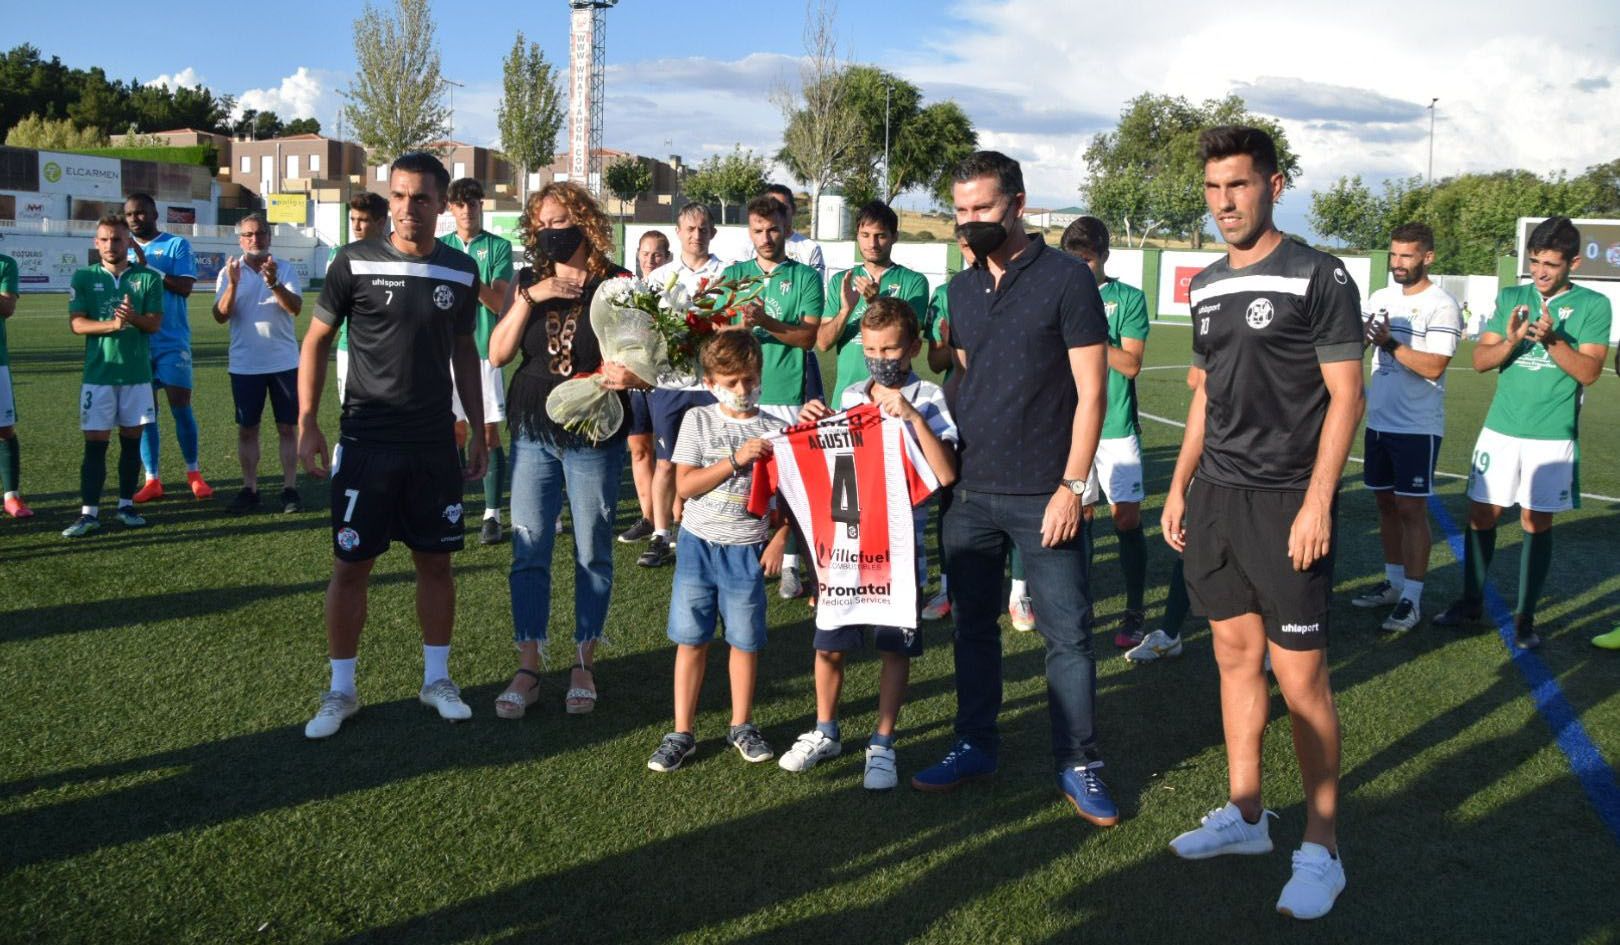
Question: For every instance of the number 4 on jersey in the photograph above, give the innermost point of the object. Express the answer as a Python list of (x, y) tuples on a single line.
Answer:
[(846, 499)]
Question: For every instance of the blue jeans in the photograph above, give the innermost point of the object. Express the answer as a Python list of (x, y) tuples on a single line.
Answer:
[(978, 529), (539, 470), (717, 581)]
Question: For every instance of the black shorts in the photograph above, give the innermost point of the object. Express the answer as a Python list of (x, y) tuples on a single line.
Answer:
[(640, 415), (250, 390), (1402, 463), (886, 639), (1237, 563), (379, 494)]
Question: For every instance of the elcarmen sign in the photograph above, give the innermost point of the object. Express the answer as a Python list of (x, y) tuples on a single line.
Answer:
[(80, 175)]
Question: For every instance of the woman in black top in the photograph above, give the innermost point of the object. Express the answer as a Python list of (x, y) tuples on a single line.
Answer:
[(566, 239)]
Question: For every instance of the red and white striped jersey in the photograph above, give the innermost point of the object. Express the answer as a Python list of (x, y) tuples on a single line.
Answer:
[(850, 481)]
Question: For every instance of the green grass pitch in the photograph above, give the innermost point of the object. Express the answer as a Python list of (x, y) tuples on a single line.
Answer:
[(155, 785)]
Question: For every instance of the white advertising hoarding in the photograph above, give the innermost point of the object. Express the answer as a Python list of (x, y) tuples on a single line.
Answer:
[(80, 175)]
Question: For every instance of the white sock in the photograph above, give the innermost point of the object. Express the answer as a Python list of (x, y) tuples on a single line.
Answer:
[(942, 582), (343, 675), (126, 503), (1395, 574), (790, 561), (661, 533), (493, 514), (435, 663), (1019, 589), (12, 494), (90, 510), (1413, 591)]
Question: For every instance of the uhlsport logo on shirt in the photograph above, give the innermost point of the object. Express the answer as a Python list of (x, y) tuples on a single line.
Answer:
[(443, 297), (1301, 627), (1259, 314)]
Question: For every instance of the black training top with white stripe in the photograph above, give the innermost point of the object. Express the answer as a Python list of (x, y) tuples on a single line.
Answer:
[(404, 313), (1260, 334)]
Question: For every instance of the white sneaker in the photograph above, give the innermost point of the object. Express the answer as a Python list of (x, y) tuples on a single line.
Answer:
[(1022, 612), (335, 707), (880, 769), (811, 749), (1318, 879), (1384, 594), (1224, 831), (938, 607), (1404, 617), (1157, 645), (442, 694)]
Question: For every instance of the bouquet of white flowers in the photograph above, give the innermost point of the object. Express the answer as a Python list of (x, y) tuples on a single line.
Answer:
[(651, 330)]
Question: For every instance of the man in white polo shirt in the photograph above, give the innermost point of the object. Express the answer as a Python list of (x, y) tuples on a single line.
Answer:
[(1413, 326), (693, 266), (260, 302)]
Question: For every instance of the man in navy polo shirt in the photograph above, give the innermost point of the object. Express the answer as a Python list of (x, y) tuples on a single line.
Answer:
[(1030, 344)]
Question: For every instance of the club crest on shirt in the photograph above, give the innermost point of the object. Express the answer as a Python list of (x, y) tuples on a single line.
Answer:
[(348, 539), (443, 297), (785, 286), (1565, 312), (1259, 314), (1340, 277)]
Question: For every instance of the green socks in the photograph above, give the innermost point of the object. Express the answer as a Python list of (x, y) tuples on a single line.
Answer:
[(10, 464), (93, 472), (1176, 605), (1535, 560), (1015, 564), (1133, 558), (495, 478), (129, 466), (1479, 546)]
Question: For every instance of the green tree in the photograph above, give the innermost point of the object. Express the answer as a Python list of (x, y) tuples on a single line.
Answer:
[(628, 179), (267, 125), (100, 103), (396, 100), (54, 134), (1604, 181), (1144, 175), (302, 126), (925, 142), (727, 179), (1349, 213), (532, 109)]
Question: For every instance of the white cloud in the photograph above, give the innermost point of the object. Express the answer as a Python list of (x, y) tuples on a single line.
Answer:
[(184, 79), (307, 93)]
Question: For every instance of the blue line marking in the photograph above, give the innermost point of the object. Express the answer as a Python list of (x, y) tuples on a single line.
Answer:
[(1597, 777)]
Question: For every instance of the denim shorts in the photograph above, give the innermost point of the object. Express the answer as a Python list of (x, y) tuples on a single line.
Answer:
[(717, 581)]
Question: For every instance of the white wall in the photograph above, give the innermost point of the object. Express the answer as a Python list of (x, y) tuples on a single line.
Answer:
[(46, 261)]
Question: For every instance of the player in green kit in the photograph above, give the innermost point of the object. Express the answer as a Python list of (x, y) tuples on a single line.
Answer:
[(10, 461), (784, 317), (368, 219), (116, 305), (876, 229), (494, 258), (1547, 339), (1117, 471)]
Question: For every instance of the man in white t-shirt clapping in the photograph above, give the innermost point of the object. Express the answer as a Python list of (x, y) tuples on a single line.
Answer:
[(260, 303), (1413, 327)]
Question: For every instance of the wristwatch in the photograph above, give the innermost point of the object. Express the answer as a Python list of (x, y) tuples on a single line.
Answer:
[(1076, 486)]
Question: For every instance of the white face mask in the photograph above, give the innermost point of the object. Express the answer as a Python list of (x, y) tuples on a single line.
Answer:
[(734, 401)]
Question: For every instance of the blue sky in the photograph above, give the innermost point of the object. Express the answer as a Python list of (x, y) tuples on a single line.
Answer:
[(1039, 77)]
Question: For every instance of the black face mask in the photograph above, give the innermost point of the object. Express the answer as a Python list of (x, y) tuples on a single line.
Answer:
[(983, 237), (560, 243)]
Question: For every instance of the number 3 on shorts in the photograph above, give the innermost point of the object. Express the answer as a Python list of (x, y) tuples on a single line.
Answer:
[(348, 510), (84, 411)]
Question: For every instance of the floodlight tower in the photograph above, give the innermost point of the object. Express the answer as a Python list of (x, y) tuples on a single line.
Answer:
[(587, 60)]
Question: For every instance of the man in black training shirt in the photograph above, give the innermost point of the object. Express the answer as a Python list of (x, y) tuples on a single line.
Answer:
[(1029, 340), (410, 303), (1277, 339)]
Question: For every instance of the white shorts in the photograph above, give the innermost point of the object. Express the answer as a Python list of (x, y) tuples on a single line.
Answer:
[(785, 414), (343, 374), (494, 394), (108, 406), (1538, 475), (1116, 472), (8, 403)]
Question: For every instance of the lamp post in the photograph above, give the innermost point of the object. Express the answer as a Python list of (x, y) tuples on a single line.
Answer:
[(453, 84), (886, 90), (1431, 141)]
